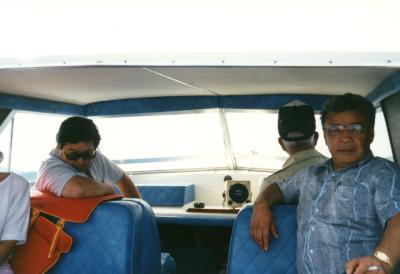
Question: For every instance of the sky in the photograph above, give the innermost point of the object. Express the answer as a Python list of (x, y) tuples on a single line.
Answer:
[(155, 29)]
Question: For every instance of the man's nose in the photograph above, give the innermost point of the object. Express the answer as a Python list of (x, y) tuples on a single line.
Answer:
[(346, 134), (82, 161)]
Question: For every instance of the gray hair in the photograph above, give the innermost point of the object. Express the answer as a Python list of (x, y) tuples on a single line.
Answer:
[(302, 143)]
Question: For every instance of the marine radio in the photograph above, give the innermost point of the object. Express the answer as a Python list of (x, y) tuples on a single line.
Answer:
[(236, 193)]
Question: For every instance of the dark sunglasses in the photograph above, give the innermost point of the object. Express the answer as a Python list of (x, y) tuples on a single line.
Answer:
[(86, 155)]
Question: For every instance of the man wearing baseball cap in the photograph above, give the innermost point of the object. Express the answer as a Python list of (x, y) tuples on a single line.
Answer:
[(296, 126)]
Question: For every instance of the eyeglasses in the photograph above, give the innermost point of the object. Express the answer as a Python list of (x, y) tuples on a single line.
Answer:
[(338, 130), (86, 155)]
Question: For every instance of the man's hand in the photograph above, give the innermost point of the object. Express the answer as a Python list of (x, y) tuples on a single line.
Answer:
[(6, 248), (362, 264), (127, 187), (262, 224)]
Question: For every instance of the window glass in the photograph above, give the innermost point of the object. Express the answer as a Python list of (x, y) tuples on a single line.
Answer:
[(254, 138), (165, 142), (34, 137), (381, 144), (161, 142), (5, 138), (321, 146)]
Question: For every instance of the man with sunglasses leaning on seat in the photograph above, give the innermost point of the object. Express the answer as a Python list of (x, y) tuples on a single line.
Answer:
[(348, 213), (77, 169)]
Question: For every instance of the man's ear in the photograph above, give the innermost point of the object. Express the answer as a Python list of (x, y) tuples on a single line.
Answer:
[(282, 144)]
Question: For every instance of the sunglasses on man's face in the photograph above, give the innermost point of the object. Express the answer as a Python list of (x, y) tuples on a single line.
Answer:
[(86, 155)]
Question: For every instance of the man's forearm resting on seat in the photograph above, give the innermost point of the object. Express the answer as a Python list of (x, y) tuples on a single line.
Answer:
[(81, 187), (262, 222)]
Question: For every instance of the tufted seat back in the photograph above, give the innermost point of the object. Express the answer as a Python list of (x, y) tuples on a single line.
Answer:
[(119, 237), (245, 257)]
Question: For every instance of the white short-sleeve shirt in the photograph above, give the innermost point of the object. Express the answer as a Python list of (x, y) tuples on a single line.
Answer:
[(54, 173), (14, 208)]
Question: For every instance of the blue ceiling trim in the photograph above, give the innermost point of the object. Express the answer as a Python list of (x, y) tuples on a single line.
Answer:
[(39, 105), (388, 87), (271, 101), (179, 103), (149, 105), (159, 104)]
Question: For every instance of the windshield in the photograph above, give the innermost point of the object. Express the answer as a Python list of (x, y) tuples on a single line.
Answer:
[(206, 140)]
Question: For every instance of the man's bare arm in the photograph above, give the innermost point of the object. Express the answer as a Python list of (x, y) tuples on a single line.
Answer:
[(127, 187), (390, 245), (271, 195), (262, 222), (82, 187), (6, 248)]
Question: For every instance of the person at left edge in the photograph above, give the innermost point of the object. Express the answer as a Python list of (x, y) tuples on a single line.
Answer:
[(77, 169), (14, 215)]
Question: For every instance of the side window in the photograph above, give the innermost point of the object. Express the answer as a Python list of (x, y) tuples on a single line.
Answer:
[(254, 137), (30, 137), (5, 146), (184, 141), (381, 144), (164, 142)]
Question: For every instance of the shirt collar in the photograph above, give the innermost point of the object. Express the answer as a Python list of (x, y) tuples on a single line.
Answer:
[(55, 152), (301, 156), (328, 163)]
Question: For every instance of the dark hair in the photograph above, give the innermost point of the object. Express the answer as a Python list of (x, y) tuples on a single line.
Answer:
[(78, 129), (350, 102)]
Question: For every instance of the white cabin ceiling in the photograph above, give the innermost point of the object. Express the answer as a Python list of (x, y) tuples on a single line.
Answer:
[(83, 85)]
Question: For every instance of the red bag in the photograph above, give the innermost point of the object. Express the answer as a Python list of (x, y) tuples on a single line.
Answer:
[(45, 243), (46, 240)]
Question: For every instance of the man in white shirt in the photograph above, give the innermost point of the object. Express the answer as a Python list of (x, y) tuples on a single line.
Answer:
[(296, 126), (14, 216), (77, 169)]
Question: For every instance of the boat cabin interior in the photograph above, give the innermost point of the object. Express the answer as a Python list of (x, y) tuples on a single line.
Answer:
[(193, 123), (179, 130)]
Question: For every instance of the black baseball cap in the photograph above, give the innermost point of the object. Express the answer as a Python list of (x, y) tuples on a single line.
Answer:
[(296, 122)]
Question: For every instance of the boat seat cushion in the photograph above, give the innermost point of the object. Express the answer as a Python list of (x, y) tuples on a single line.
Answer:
[(119, 237), (245, 257), (167, 194)]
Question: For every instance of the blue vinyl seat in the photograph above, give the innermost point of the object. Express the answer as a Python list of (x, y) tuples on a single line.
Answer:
[(149, 227), (119, 237), (245, 257)]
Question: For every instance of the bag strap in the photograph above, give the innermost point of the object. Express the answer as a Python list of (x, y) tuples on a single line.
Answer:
[(45, 244), (59, 226), (35, 213)]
